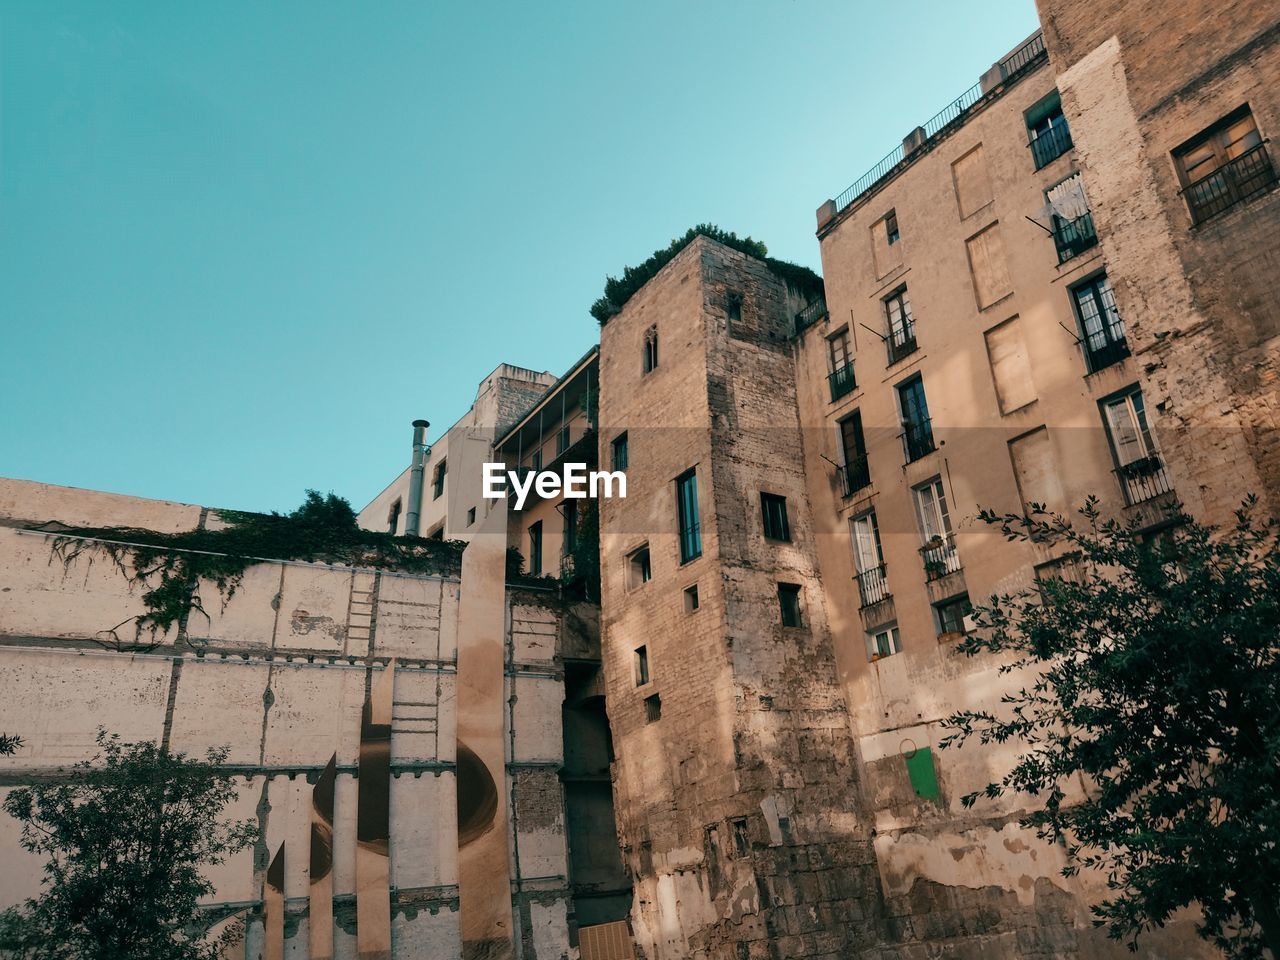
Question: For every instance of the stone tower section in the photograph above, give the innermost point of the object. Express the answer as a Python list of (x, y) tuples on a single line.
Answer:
[(735, 772)]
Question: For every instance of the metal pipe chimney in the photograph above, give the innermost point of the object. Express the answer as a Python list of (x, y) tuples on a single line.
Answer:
[(416, 466)]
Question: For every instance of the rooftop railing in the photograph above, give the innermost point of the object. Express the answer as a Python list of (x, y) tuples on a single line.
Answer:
[(1232, 183), (1027, 55), (811, 314)]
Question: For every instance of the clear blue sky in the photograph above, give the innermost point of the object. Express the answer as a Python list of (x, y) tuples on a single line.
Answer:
[(243, 244)]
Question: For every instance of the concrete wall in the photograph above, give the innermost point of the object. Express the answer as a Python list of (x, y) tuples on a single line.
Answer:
[(279, 673)]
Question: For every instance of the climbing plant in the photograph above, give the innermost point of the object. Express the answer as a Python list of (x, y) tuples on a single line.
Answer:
[(618, 290), (173, 569)]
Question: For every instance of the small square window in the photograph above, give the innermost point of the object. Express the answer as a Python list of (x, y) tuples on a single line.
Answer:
[(691, 598), (891, 227), (953, 615), (789, 604), (620, 452), (652, 709), (775, 516), (639, 567), (642, 665), (471, 516)]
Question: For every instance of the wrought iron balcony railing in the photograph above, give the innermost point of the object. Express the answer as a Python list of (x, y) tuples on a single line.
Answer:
[(1234, 182), (811, 314), (1143, 479), (1073, 237), (1051, 144), (940, 557), (917, 439), (903, 347), (854, 475), (841, 382), (873, 585), (1107, 354)]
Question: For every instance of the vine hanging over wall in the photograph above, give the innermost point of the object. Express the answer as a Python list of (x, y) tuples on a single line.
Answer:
[(171, 567)]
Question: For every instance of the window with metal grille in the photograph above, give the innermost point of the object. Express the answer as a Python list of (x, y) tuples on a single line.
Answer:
[(1224, 165), (789, 604), (840, 379), (687, 520), (1139, 466), (650, 361), (620, 452), (774, 508), (901, 341), (535, 548), (1104, 338), (652, 709), (855, 472), (917, 428), (868, 558), (1050, 137)]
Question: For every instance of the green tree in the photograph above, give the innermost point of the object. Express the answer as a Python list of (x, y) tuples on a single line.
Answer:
[(9, 744), (126, 838), (1148, 719)]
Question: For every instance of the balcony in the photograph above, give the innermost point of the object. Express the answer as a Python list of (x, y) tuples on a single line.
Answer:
[(854, 475), (1108, 354), (811, 314), (1246, 176), (873, 586), (917, 439), (841, 382), (940, 557), (1051, 144), (1073, 237), (1143, 479), (900, 349)]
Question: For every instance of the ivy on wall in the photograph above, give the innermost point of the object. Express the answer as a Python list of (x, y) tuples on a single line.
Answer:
[(171, 567), (617, 291)]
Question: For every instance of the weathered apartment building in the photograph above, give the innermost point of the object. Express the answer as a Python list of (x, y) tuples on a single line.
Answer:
[(1061, 285)]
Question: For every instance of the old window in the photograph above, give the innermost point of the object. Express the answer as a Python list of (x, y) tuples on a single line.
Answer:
[(1104, 340), (1224, 165), (1068, 209), (902, 326), (952, 615), (774, 508), (437, 482), (393, 518), (789, 604), (687, 516), (437, 533), (891, 233), (569, 508), (883, 642), (535, 549), (988, 266), (650, 361), (691, 598), (642, 665), (1035, 470), (639, 567), (840, 379), (1050, 137), (855, 472), (972, 182), (938, 551), (1138, 464), (652, 709), (917, 427), (471, 516), (868, 559), (620, 451), (733, 310)]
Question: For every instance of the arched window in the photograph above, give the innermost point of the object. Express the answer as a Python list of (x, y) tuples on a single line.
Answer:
[(650, 349)]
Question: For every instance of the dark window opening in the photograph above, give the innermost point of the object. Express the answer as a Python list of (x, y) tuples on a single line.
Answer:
[(570, 510), (691, 598), (901, 341), (650, 362), (855, 472), (642, 666), (639, 567), (471, 516), (652, 709), (917, 428), (951, 614), (891, 227), (535, 549), (393, 518), (789, 604), (741, 838), (734, 310), (774, 508), (1048, 130), (437, 483), (687, 516), (620, 452), (840, 379)]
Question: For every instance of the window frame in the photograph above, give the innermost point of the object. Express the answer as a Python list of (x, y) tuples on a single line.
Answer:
[(1113, 349), (773, 511), (649, 362), (438, 478), (688, 516), (924, 427), (640, 665), (892, 232), (791, 605), (620, 443)]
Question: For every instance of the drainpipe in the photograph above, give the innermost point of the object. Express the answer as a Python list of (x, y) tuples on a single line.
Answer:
[(416, 466)]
